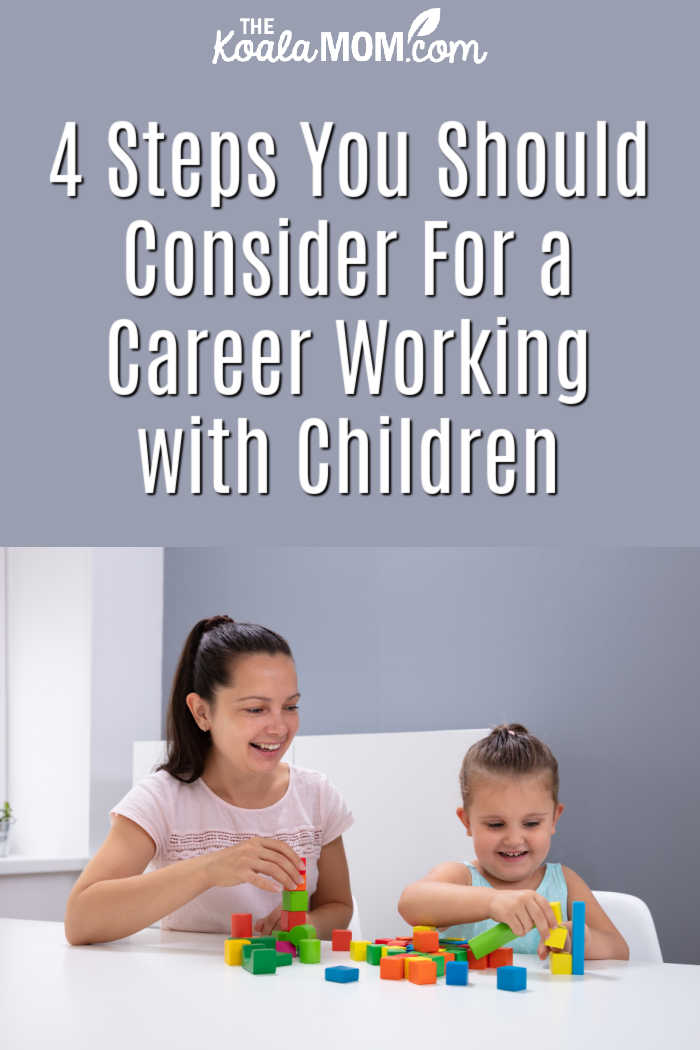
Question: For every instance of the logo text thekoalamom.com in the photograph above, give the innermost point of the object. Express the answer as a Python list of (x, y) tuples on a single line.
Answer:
[(260, 42)]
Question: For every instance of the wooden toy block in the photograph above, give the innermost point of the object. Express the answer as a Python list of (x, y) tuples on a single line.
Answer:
[(448, 956), (395, 950), (391, 968), (287, 947), (457, 972), (446, 941), (342, 974), (557, 938), (460, 954), (422, 971), (290, 919), (578, 936), (233, 951), (295, 900), (340, 940), (398, 942), (477, 964), (560, 963), (407, 960), (263, 942), (422, 929), (358, 950), (556, 908), (260, 960), (241, 926), (310, 950), (490, 940), (375, 952), (426, 941), (439, 961), (301, 885), (511, 978), (302, 932), (381, 940), (501, 957), (283, 959)]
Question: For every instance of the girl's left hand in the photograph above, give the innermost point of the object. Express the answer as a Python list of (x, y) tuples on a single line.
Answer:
[(265, 926), (543, 951)]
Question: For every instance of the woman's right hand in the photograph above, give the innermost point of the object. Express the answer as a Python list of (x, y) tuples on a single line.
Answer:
[(521, 910), (265, 863)]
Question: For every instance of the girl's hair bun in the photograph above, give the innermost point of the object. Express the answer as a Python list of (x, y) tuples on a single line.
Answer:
[(509, 748)]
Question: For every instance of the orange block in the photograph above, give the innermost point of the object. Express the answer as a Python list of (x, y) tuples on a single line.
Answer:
[(391, 968), (477, 964), (426, 941), (501, 957), (398, 942), (302, 874), (405, 959), (241, 925), (422, 971)]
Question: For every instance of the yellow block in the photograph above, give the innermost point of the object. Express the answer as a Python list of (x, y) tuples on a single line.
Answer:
[(417, 929), (560, 962), (358, 950), (557, 938), (556, 908), (233, 950)]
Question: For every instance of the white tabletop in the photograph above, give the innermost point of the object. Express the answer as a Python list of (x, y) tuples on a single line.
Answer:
[(164, 989)]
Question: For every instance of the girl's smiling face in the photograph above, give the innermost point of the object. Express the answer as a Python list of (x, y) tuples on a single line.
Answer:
[(254, 718), (511, 818)]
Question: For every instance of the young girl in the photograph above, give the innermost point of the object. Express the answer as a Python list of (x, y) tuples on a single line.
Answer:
[(224, 823), (510, 784)]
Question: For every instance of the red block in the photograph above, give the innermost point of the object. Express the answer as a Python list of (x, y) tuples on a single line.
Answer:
[(426, 941), (381, 940), (302, 874), (477, 964), (501, 957), (241, 925), (340, 940), (290, 919)]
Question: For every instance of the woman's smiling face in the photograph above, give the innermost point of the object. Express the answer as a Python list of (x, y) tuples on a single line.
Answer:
[(254, 718), (511, 819)]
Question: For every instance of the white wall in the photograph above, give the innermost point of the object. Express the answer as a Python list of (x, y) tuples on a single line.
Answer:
[(84, 671), (48, 687)]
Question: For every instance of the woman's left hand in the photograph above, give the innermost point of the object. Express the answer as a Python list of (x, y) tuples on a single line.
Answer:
[(264, 927)]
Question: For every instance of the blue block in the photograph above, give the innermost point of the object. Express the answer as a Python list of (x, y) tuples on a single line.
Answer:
[(342, 974), (578, 936), (456, 972), (511, 978)]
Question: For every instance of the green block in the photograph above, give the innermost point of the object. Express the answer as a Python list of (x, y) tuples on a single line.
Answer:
[(309, 950), (393, 950), (295, 900), (263, 942), (280, 935), (491, 940), (460, 954), (299, 933), (259, 960), (374, 954), (439, 961), (283, 959)]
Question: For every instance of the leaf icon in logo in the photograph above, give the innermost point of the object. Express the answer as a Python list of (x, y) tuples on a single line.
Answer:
[(425, 23)]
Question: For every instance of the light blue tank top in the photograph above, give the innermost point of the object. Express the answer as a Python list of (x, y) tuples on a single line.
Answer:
[(553, 887)]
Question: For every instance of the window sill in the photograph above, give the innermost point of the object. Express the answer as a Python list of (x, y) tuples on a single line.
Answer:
[(19, 865)]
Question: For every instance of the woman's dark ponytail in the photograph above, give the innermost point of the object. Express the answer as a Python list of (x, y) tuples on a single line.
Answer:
[(205, 663)]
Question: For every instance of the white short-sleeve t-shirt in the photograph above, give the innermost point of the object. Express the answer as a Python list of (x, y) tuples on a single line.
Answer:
[(186, 820)]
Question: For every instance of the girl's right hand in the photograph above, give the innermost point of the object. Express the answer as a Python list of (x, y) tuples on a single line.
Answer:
[(257, 862), (521, 910)]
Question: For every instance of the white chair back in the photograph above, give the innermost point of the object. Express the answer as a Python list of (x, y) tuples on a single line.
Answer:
[(403, 791), (635, 922)]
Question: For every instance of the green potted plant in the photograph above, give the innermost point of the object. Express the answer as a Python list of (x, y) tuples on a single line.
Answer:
[(6, 820)]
